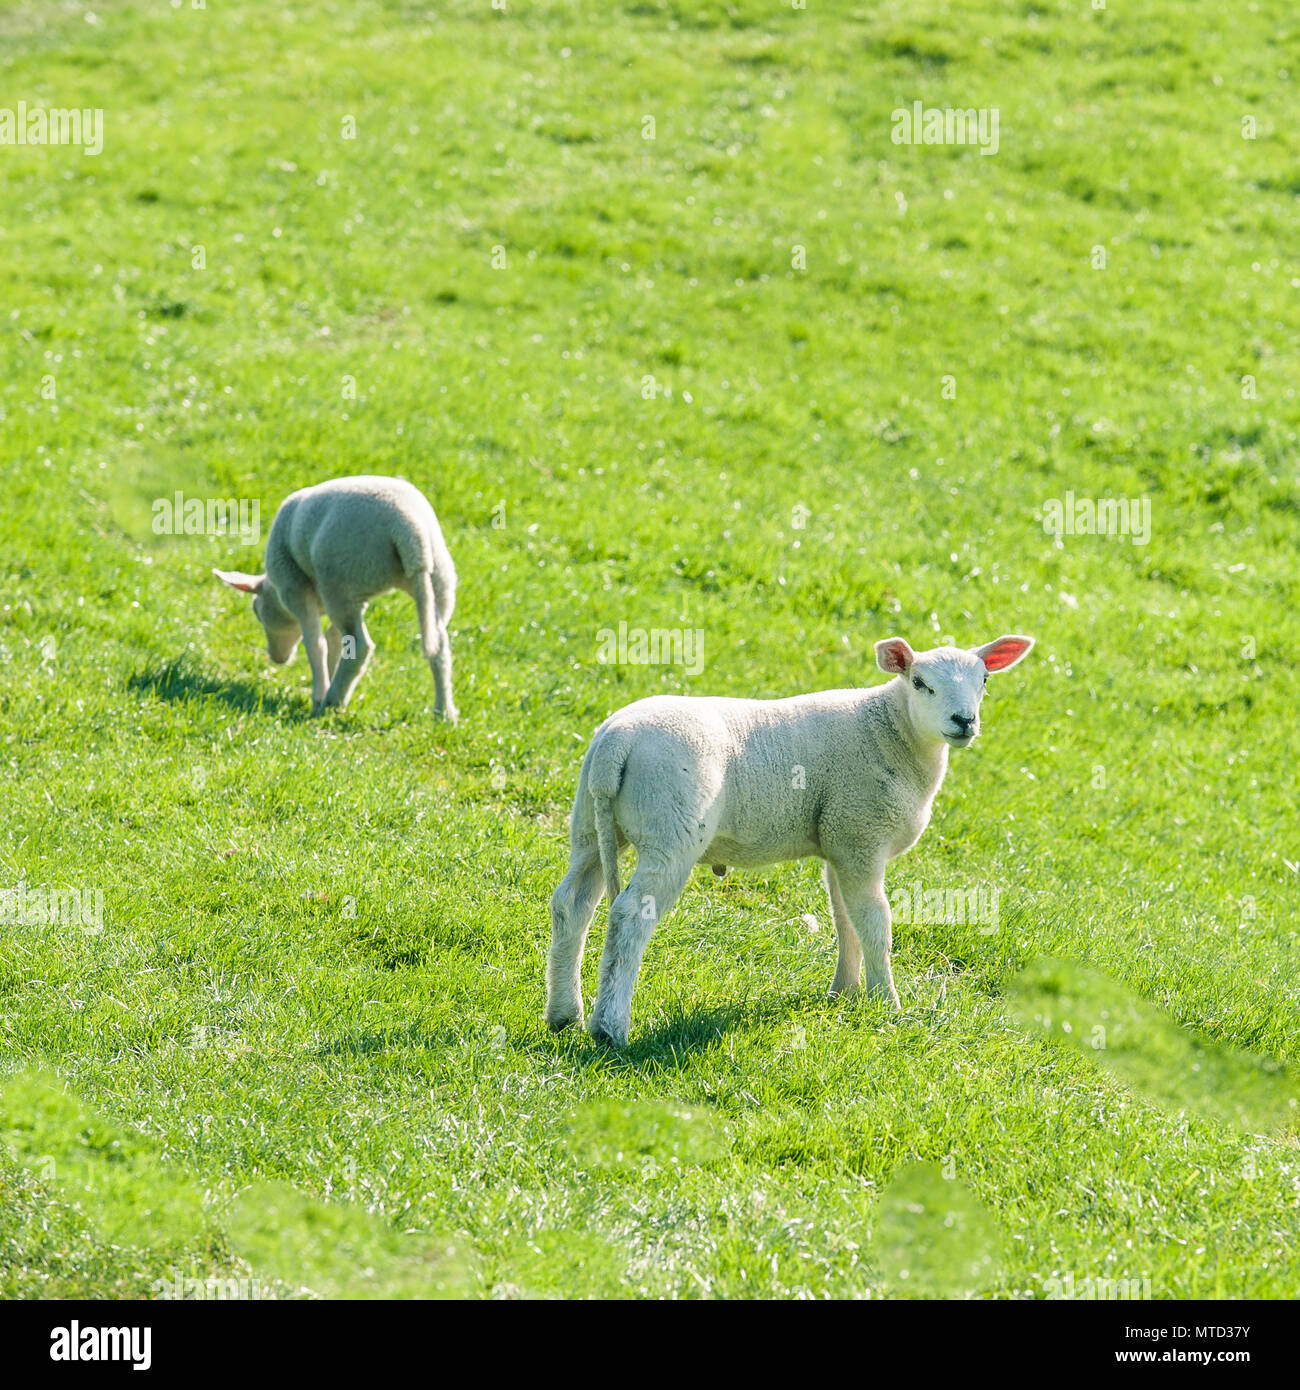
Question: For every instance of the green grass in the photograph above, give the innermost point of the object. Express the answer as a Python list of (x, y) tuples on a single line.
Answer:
[(321, 960)]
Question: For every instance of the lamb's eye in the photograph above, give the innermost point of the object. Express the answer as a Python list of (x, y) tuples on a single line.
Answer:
[(921, 685)]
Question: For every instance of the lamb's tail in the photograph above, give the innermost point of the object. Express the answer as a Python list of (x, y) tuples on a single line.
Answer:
[(607, 839), (423, 557), (427, 607), (604, 778)]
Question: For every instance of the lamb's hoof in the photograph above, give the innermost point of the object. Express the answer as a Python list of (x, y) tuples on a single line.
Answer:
[(601, 1034), (720, 870), (884, 994), (447, 716), (558, 1024)]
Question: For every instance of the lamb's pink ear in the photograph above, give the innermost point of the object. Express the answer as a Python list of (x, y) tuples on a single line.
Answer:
[(1004, 652), (249, 583), (894, 656)]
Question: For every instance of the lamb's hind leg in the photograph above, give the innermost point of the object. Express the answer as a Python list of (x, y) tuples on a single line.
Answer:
[(435, 599), (573, 904), (355, 651), (440, 664), (654, 888), (848, 963)]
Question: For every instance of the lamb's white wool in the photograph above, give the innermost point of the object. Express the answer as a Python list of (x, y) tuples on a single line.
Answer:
[(846, 775), (334, 547)]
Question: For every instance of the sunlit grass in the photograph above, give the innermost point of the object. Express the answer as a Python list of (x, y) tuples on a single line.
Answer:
[(319, 974)]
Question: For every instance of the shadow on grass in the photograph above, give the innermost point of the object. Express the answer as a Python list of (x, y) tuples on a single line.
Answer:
[(671, 1044), (181, 681), (668, 1046), (685, 1032)]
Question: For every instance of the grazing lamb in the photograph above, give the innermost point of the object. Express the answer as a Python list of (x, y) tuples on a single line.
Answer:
[(331, 549), (846, 775)]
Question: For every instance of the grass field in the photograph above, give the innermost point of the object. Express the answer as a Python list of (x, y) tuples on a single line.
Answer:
[(769, 376)]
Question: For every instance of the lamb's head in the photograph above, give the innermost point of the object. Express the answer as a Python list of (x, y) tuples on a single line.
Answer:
[(944, 686), (281, 627)]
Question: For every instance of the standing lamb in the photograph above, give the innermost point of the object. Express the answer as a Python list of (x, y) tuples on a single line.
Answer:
[(846, 775), (331, 549)]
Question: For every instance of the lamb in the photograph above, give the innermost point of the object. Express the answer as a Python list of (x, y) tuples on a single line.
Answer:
[(848, 776), (331, 549)]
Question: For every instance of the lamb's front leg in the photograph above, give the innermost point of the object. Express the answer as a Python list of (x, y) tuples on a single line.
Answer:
[(334, 641), (313, 641), (848, 962), (863, 892)]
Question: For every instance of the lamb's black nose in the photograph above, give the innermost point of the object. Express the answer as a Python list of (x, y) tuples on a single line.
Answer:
[(963, 721)]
